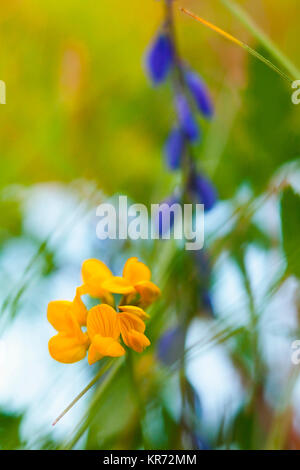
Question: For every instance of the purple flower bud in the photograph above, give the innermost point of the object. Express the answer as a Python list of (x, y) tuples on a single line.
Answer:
[(203, 190), (200, 443), (159, 58), (174, 148), (203, 263), (171, 346), (187, 121), (207, 301), (200, 93), (165, 216)]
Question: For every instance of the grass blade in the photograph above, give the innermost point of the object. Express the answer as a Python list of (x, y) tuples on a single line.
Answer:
[(262, 38), (83, 392), (239, 43)]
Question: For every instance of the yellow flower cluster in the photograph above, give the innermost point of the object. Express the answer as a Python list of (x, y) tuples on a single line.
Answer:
[(104, 324)]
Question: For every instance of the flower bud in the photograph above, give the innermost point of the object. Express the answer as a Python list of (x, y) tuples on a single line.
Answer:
[(200, 93), (174, 148), (186, 119), (203, 190), (159, 58)]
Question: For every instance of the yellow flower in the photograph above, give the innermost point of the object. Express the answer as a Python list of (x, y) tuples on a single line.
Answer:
[(139, 312), (104, 324), (135, 280), (94, 273), (132, 327), (104, 332), (70, 344)]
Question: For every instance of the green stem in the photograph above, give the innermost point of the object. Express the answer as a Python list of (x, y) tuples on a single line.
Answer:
[(141, 411), (90, 414), (267, 62), (83, 392), (253, 324), (238, 42), (262, 38)]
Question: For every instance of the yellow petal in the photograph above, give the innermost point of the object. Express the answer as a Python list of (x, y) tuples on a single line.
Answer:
[(139, 312), (82, 290), (93, 355), (93, 268), (60, 315), (97, 292), (102, 320), (148, 291), (94, 273), (67, 349), (107, 298), (118, 285), (137, 341), (129, 321), (136, 271), (80, 310), (107, 346)]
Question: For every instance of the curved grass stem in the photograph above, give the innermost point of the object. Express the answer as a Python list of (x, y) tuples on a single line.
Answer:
[(91, 411), (262, 38), (239, 43), (83, 392)]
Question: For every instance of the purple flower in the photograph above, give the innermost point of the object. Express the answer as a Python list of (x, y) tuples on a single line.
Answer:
[(200, 443), (165, 216), (187, 121), (203, 190), (200, 93), (159, 58), (207, 301), (171, 346), (174, 148)]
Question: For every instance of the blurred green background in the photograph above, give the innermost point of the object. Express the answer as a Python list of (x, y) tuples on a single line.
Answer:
[(81, 124)]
